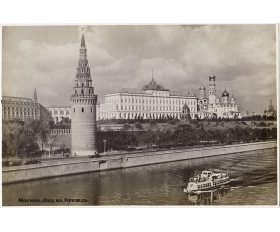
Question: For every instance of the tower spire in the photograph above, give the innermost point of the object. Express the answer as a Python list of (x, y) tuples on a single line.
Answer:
[(83, 43), (152, 73), (35, 96)]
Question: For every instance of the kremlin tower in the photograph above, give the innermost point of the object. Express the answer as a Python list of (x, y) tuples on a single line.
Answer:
[(83, 108)]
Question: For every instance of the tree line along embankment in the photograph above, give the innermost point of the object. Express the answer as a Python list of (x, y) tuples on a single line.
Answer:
[(72, 166)]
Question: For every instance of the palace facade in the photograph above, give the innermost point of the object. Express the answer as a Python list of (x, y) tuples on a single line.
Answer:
[(59, 113), (23, 108), (153, 101)]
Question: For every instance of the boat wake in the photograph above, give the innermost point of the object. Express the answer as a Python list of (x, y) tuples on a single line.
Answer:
[(236, 187), (237, 179)]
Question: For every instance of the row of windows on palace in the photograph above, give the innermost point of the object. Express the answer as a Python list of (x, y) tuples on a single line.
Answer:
[(155, 108), (19, 102), (18, 108), (19, 113), (55, 112), (155, 101)]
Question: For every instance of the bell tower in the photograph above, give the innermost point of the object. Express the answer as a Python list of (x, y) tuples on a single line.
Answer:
[(212, 89), (83, 108)]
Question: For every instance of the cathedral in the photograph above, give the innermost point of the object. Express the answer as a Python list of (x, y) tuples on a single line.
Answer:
[(271, 111), (212, 107)]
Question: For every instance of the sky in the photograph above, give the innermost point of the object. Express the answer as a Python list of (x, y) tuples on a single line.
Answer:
[(242, 57)]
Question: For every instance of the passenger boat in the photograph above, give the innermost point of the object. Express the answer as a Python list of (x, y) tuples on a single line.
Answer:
[(206, 180)]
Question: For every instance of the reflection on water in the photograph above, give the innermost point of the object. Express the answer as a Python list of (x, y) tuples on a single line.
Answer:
[(253, 175), (207, 197)]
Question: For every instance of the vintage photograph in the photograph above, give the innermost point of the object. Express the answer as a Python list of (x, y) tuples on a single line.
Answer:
[(139, 115)]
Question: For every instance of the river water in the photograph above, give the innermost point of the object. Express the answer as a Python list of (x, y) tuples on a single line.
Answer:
[(253, 175)]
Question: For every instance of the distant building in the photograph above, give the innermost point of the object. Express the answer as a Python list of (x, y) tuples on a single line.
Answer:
[(153, 101), (23, 108), (248, 114), (253, 113), (59, 113), (271, 111)]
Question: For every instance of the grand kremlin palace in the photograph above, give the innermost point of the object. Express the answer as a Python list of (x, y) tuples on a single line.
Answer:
[(153, 101)]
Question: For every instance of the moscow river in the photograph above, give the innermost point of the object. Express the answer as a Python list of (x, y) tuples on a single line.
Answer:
[(253, 175)]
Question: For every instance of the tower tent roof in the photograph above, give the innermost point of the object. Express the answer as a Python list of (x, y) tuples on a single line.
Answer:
[(83, 43), (35, 96)]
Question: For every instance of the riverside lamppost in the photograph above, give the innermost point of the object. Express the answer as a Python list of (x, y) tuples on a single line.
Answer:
[(227, 138), (49, 143), (158, 143), (104, 141)]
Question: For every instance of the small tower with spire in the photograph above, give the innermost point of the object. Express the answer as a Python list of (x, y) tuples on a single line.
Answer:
[(35, 96), (83, 108)]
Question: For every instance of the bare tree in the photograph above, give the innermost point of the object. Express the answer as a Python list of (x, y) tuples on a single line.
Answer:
[(51, 140)]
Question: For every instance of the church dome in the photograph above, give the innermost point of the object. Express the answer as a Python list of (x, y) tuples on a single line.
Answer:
[(153, 86), (202, 88), (225, 94), (212, 77)]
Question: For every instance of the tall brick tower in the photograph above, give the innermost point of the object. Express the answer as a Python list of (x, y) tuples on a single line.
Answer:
[(83, 108)]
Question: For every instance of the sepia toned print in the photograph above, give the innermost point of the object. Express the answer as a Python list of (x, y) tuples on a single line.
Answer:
[(139, 115)]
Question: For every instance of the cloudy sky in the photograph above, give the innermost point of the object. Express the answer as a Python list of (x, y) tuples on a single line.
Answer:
[(243, 58)]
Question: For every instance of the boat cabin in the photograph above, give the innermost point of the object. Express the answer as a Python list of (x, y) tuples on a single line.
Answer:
[(206, 174)]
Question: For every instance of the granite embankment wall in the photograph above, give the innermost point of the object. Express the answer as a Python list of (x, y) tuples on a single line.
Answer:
[(39, 171)]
